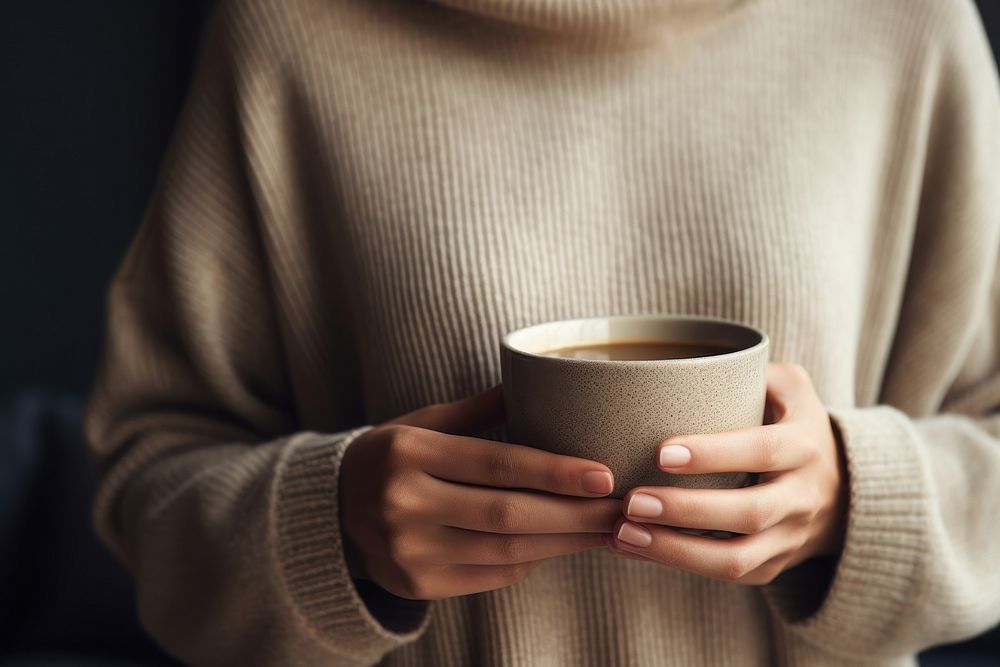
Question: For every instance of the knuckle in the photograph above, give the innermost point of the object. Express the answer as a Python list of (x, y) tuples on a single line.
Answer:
[(401, 441), (395, 433), (803, 443), (502, 468), (416, 587), (814, 501), (398, 503), (421, 591), (512, 573), (815, 508), (800, 515), (758, 516), (806, 499), (738, 565), (401, 548), (504, 515), (511, 549)]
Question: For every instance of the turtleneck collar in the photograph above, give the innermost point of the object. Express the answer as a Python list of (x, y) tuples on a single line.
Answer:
[(589, 15)]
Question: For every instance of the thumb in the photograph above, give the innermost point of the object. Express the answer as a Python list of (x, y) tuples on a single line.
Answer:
[(467, 416)]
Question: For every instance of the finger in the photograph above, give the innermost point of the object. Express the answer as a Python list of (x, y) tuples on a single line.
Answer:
[(467, 547), (438, 583), (752, 509), (628, 555), (735, 559), (609, 543), (497, 464), (760, 449), (492, 577), (474, 414), (631, 556), (517, 512)]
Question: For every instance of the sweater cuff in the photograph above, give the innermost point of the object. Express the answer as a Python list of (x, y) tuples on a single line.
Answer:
[(311, 556), (876, 578)]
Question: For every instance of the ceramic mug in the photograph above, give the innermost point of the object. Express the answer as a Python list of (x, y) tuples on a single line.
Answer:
[(617, 412)]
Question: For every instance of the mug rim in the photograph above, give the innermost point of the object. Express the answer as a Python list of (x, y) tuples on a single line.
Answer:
[(506, 345)]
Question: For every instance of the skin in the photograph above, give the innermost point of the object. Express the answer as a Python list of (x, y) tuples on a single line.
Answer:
[(428, 512), (795, 512)]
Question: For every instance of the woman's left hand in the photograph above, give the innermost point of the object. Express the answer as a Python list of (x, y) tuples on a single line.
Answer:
[(795, 512)]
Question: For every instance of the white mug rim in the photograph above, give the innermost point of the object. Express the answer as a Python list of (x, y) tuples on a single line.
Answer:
[(508, 346)]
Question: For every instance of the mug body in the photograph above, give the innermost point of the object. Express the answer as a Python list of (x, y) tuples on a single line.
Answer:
[(617, 412)]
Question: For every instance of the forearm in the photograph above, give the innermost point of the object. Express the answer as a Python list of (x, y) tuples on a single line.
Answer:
[(918, 564), (236, 553), (960, 459)]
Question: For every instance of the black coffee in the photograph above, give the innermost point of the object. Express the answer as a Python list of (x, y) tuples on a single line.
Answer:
[(636, 350)]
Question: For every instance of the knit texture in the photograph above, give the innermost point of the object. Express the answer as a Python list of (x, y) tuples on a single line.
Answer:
[(363, 196)]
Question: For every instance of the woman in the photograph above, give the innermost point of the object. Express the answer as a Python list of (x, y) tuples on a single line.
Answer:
[(362, 197)]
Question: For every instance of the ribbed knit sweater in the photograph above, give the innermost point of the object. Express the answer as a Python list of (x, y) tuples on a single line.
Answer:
[(362, 196)]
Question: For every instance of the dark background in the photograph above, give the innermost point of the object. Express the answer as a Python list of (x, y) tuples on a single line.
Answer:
[(90, 91)]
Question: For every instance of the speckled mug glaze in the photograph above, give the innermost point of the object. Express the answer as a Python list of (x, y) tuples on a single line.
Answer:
[(617, 412)]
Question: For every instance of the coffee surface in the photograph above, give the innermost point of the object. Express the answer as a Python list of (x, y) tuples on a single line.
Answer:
[(638, 350)]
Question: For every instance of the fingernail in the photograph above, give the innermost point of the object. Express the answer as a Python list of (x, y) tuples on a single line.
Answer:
[(635, 535), (645, 506), (672, 456), (597, 481)]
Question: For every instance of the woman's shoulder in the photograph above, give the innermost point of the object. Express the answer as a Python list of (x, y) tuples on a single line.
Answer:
[(277, 29), (896, 40), (927, 23)]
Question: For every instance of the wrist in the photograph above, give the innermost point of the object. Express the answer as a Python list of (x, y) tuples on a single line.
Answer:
[(347, 506), (831, 541)]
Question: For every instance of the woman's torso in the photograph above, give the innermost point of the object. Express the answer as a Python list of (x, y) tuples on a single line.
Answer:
[(474, 181)]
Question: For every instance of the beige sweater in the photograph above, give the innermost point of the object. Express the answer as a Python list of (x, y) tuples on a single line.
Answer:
[(363, 195)]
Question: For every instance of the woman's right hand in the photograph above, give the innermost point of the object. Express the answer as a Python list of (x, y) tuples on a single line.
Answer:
[(428, 513)]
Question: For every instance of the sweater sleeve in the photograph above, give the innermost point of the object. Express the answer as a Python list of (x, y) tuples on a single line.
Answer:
[(919, 565), (221, 505)]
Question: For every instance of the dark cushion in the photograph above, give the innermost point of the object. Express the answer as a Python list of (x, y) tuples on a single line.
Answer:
[(57, 660), (19, 471), (62, 589)]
